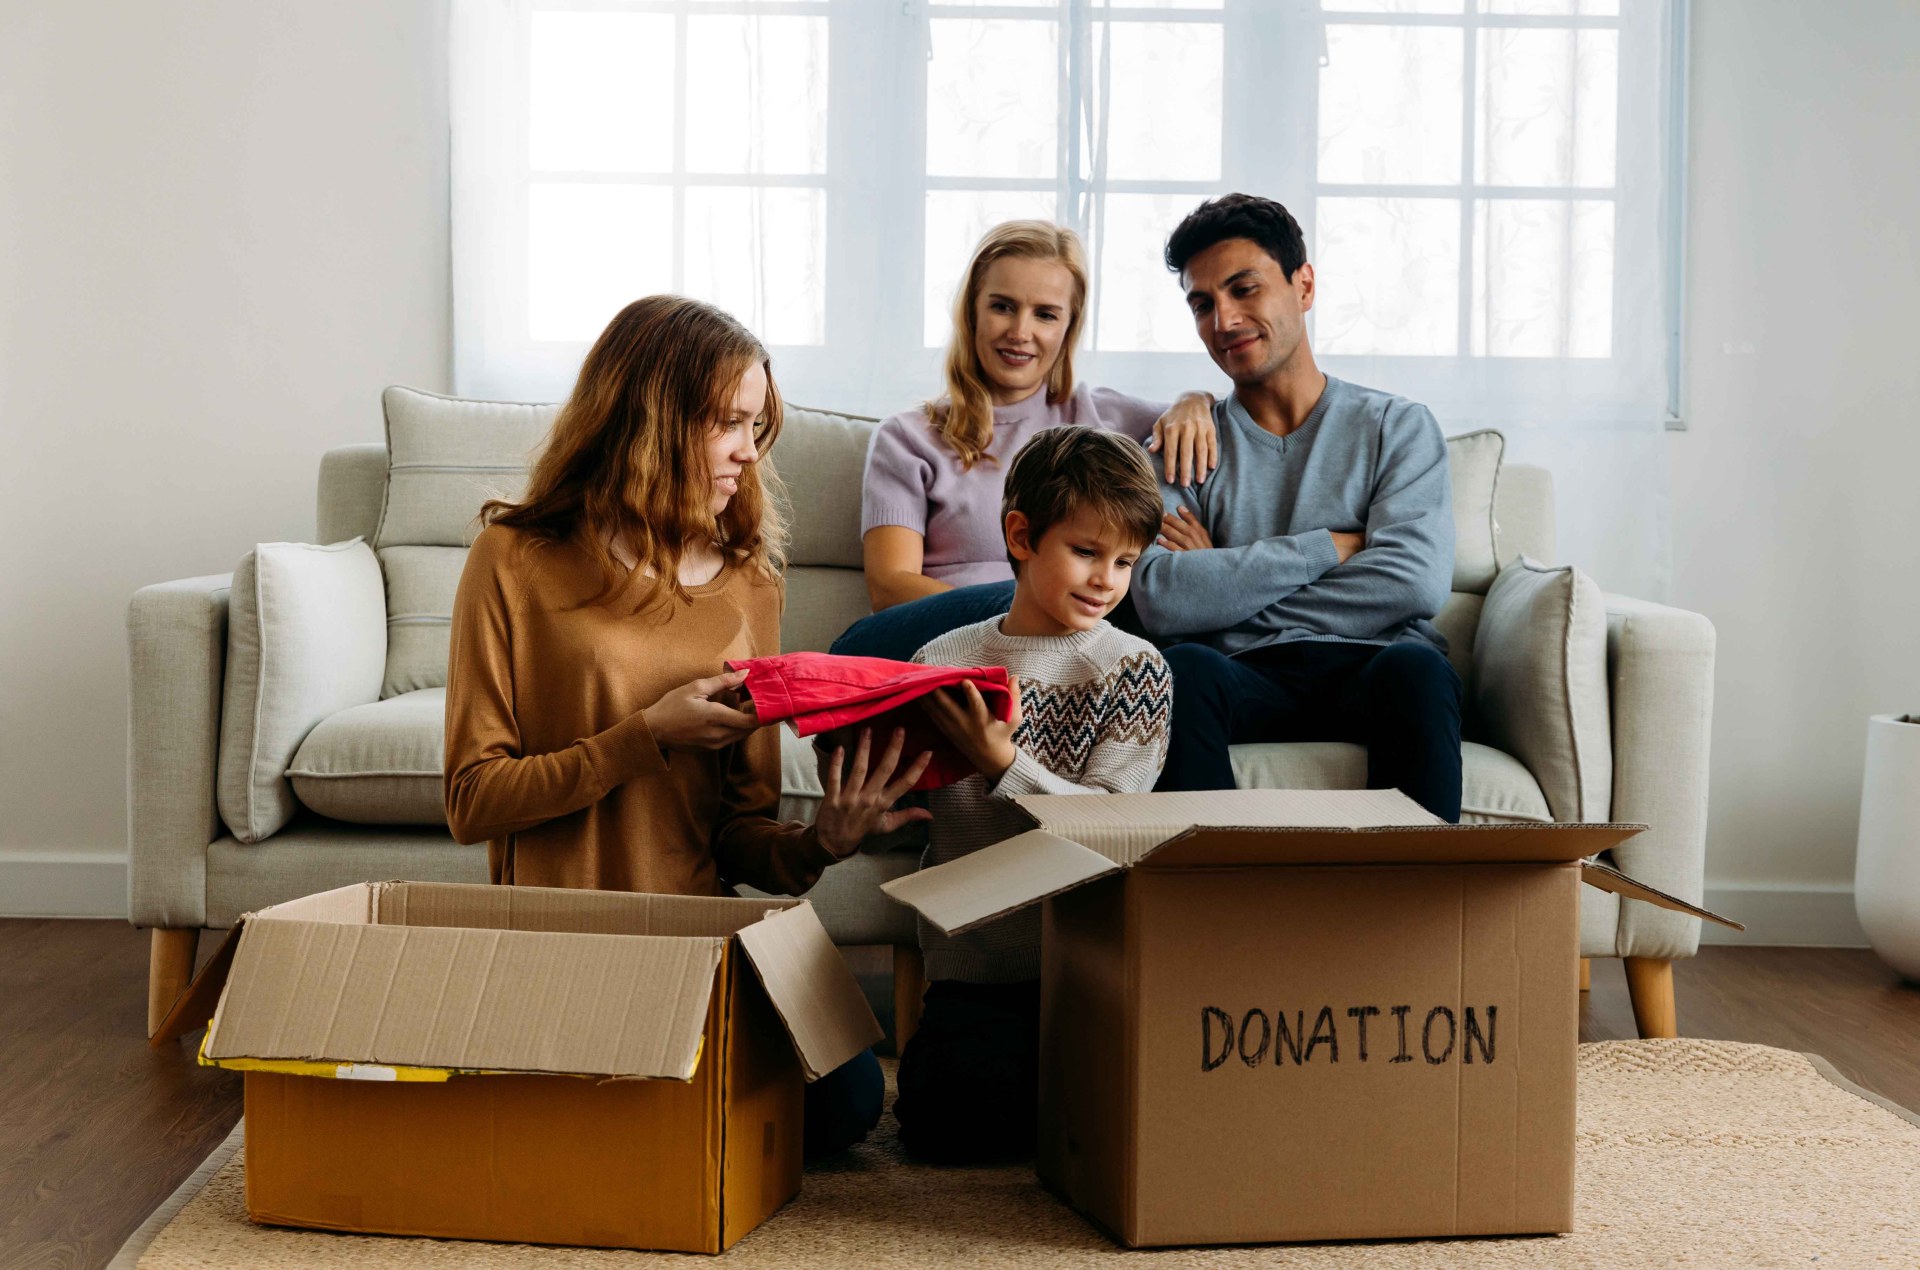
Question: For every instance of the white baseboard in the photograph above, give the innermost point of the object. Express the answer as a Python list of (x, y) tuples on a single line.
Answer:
[(77, 883), (63, 884), (1803, 917)]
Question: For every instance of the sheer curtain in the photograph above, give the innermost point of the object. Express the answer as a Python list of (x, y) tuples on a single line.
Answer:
[(1485, 187)]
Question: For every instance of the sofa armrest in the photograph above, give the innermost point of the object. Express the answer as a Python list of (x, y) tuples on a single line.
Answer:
[(176, 651), (1660, 674)]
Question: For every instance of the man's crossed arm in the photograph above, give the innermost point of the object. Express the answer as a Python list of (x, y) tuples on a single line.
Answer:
[(1314, 580)]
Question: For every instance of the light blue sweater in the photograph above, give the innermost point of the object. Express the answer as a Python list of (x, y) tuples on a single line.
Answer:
[(1362, 461)]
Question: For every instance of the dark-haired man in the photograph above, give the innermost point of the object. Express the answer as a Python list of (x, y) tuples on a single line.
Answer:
[(1305, 571)]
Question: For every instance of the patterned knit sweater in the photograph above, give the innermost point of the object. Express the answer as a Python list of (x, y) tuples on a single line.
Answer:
[(1095, 706)]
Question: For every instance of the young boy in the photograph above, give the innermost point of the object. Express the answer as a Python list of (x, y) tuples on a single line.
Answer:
[(1091, 716)]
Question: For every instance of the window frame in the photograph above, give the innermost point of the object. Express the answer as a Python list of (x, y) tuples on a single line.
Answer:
[(876, 128)]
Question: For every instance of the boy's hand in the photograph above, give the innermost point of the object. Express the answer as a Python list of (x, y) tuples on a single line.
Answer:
[(962, 716), (1183, 532)]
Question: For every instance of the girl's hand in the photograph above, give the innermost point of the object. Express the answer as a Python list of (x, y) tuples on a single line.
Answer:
[(1187, 435), (1183, 532), (690, 717), (857, 806), (962, 716)]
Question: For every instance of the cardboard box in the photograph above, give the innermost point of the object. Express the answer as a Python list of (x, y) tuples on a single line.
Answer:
[(518, 1063), (1276, 1015)]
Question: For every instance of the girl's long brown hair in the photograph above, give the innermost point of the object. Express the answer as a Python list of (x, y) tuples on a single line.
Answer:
[(964, 417), (627, 453)]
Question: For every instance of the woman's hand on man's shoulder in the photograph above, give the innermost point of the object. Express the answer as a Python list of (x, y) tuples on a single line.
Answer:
[(1186, 439)]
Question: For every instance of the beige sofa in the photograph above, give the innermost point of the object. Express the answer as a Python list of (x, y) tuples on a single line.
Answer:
[(1638, 752)]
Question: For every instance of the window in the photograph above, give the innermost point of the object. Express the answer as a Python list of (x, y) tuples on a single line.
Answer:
[(1483, 183)]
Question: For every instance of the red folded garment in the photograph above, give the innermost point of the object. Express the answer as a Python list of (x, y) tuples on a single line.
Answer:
[(818, 692)]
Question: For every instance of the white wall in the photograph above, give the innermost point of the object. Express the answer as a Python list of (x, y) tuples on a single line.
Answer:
[(223, 229), (1796, 487), (221, 236)]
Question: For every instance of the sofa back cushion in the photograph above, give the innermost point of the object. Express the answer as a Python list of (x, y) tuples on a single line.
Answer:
[(445, 457), (1539, 685), (821, 459), (304, 640)]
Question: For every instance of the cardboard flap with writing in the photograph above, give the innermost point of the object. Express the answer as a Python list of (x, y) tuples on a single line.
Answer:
[(996, 880), (476, 1000), (1607, 878), (825, 1013)]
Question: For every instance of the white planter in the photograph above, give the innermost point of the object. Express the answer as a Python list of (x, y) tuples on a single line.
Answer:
[(1886, 878)]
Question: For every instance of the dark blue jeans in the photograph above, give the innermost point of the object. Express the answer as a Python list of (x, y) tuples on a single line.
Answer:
[(842, 1107), (901, 631), (1402, 702), (970, 1076)]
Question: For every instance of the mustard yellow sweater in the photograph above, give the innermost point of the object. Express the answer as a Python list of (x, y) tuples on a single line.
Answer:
[(549, 758)]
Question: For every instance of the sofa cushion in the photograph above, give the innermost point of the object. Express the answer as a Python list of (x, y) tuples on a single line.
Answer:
[(1473, 467), (1495, 788), (820, 604), (445, 457), (821, 458), (421, 582), (1539, 686), (306, 637), (378, 764)]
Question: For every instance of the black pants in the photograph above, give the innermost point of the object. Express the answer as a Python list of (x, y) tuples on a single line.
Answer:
[(1402, 702), (970, 1076)]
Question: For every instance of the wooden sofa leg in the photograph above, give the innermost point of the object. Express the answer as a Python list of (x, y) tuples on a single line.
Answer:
[(1586, 974), (909, 986), (1650, 985), (169, 970)]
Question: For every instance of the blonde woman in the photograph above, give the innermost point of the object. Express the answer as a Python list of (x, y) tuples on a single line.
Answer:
[(930, 506)]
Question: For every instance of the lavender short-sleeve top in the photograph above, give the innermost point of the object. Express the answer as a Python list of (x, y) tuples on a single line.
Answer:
[(914, 478)]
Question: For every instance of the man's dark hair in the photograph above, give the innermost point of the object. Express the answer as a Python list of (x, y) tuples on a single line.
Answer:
[(1062, 470), (1262, 221)]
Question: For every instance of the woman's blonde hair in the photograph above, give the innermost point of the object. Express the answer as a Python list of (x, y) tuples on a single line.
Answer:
[(627, 453), (964, 417)]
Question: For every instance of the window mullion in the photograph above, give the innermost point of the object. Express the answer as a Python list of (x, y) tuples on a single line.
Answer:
[(1469, 181), (680, 151), (1270, 92), (876, 59)]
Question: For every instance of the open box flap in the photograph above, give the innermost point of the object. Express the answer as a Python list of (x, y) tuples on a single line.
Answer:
[(194, 1008), (996, 880), (565, 910), (825, 1013), (1607, 878), (1127, 828), (1244, 827), (463, 999), (1221, 846)]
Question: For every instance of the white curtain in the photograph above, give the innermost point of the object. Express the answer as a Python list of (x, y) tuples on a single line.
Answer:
[(1485, 187)]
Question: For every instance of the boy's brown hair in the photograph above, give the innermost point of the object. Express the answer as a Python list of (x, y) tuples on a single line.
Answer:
[(1061, 470)]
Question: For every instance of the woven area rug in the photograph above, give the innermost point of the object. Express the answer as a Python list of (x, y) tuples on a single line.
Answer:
[(1691, 1153)]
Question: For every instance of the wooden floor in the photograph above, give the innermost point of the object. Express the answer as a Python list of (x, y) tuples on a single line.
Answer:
[(96, 1129)]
